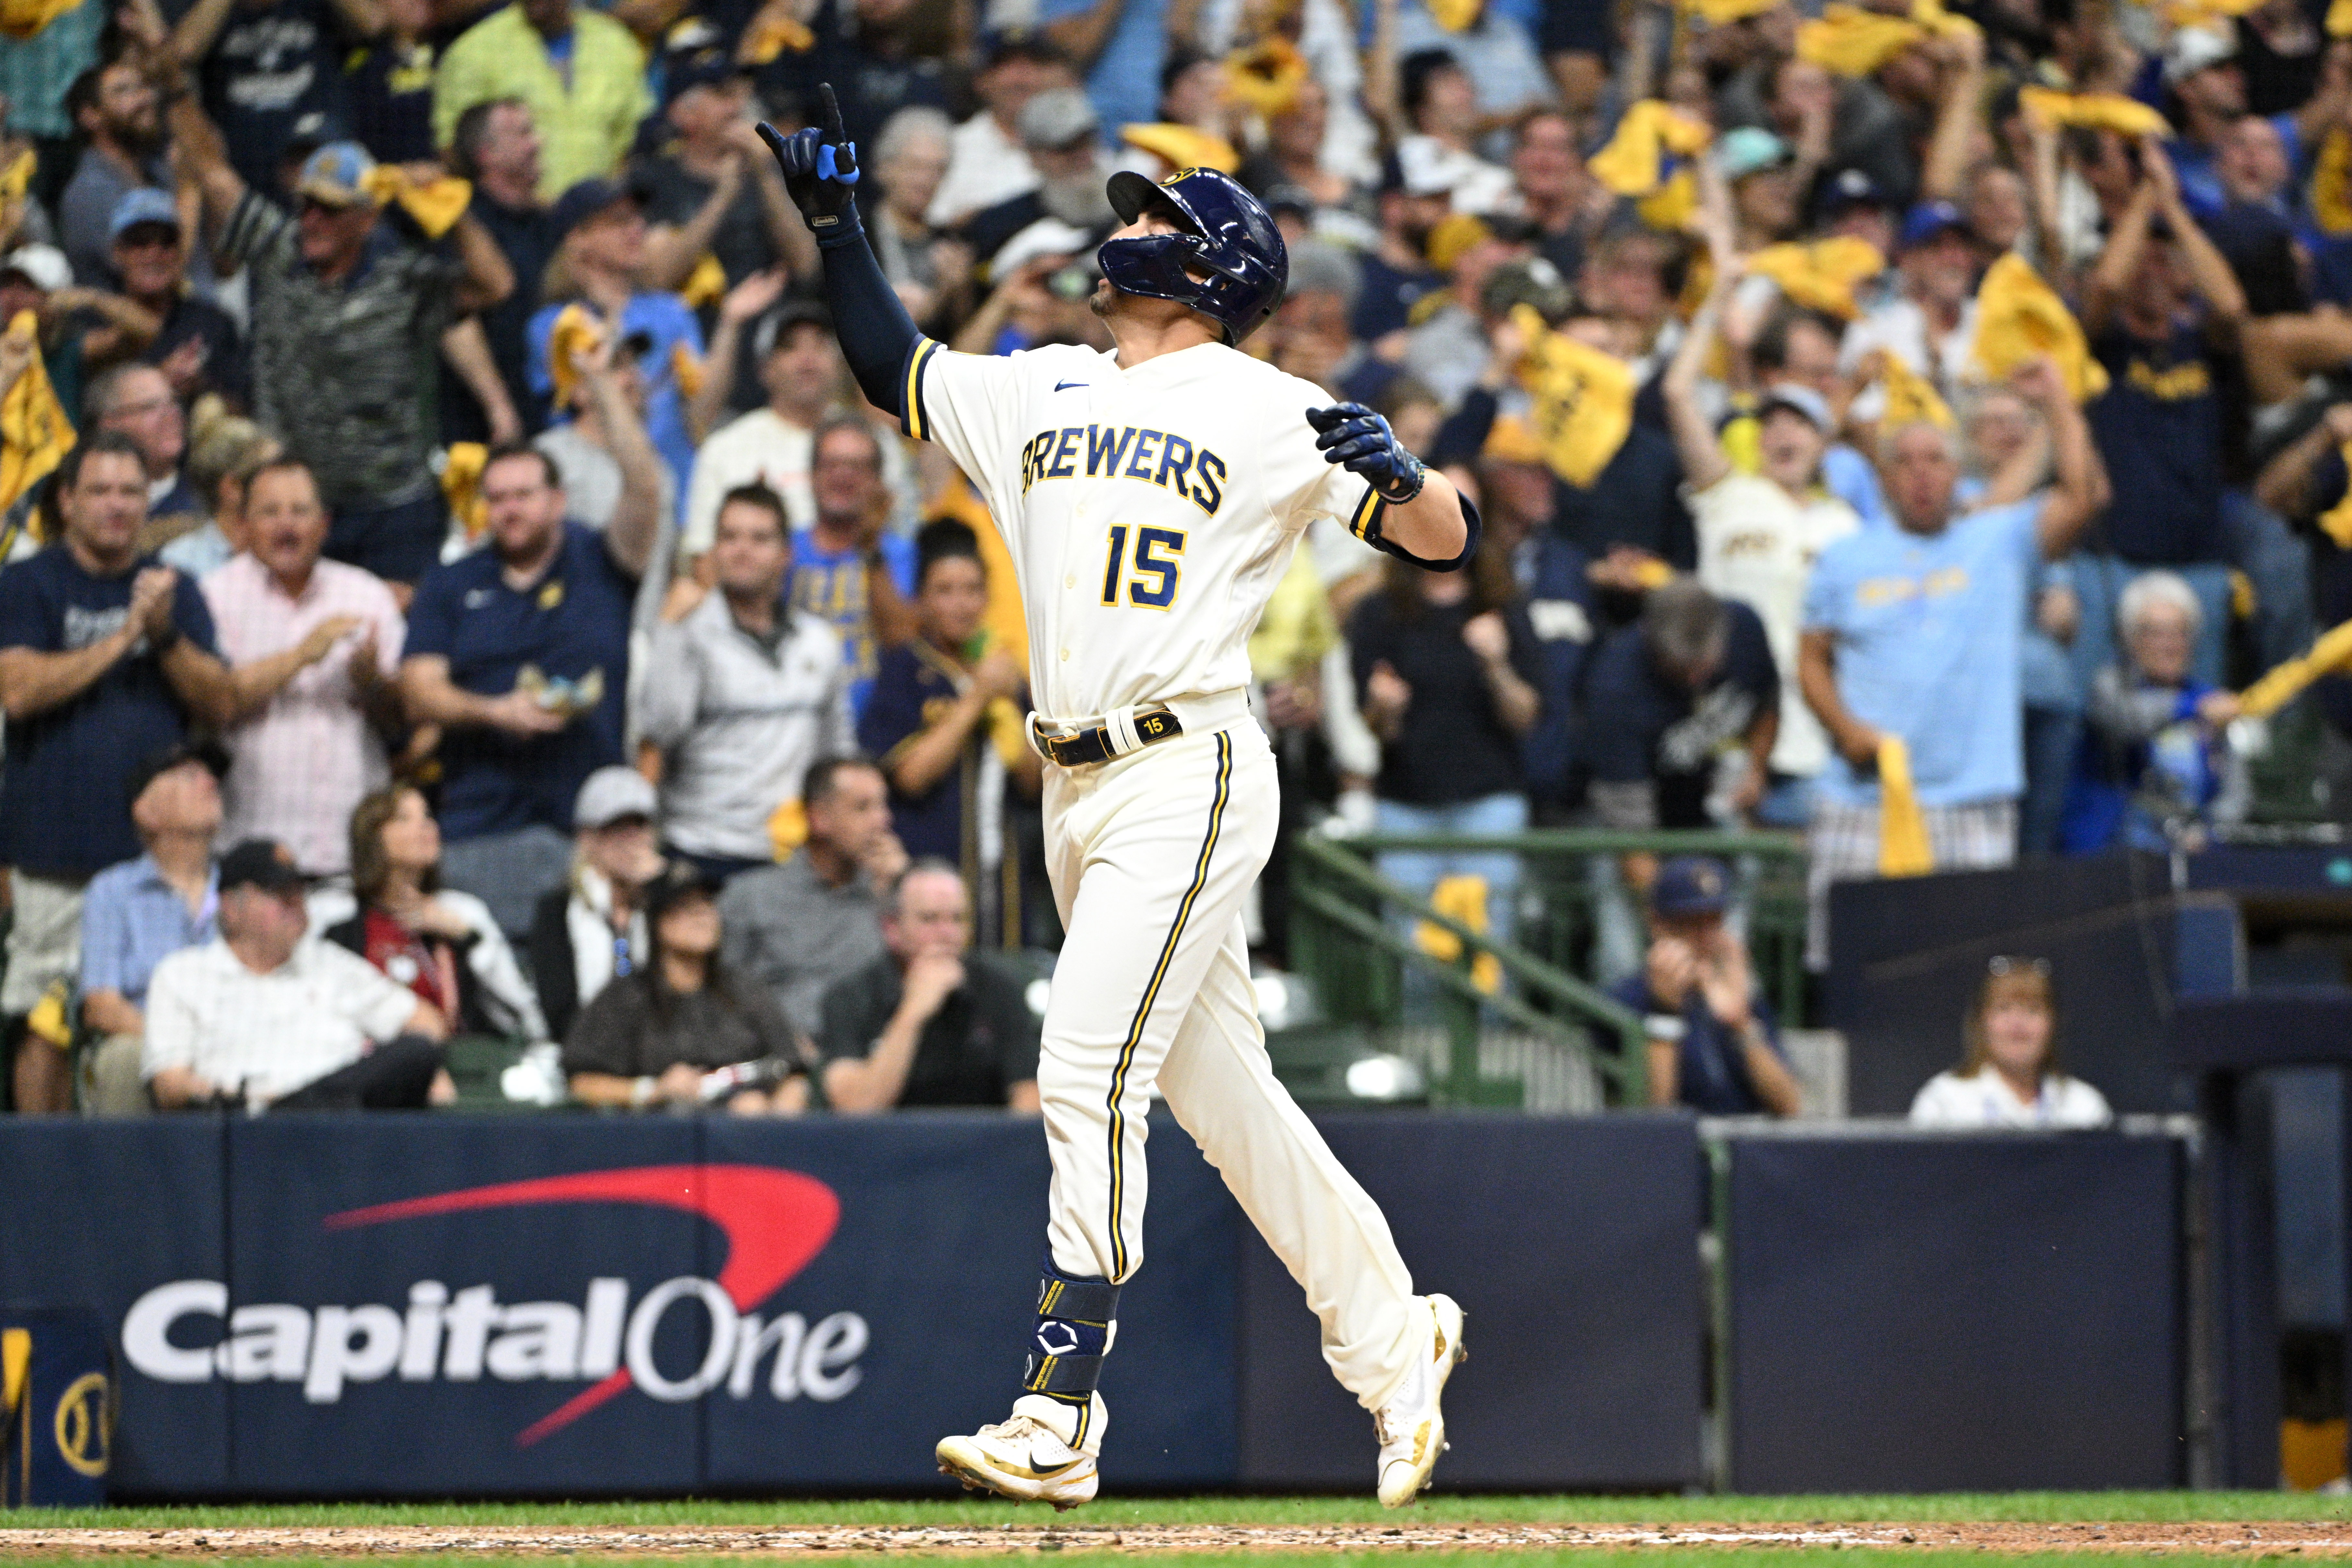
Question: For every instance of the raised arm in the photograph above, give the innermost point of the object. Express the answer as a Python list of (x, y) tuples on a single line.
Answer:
[(490, 277), (637, 517), (2208, 271), (1704, 464), (2081, 490), (203, 156), (2284, 484)]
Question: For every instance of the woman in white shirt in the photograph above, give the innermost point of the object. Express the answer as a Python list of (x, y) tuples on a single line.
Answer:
[(2010, 1076)]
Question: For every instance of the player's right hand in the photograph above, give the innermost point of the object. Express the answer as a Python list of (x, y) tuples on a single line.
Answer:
[(819, 166)]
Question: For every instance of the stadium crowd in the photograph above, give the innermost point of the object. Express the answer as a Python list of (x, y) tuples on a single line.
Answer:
[(451, 587)]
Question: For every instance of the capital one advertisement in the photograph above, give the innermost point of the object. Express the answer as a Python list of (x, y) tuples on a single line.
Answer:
[(449, 1306)]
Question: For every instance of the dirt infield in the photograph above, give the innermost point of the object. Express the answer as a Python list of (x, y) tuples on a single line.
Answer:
[(2304, 1538)]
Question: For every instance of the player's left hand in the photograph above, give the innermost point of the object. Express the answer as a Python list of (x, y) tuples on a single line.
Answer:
[(1360, 441), (819, 166)]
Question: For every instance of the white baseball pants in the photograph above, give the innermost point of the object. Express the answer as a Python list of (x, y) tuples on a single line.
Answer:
[(1151, 856)]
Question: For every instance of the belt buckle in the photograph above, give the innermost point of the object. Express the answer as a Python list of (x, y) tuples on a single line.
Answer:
[(1053, 742)]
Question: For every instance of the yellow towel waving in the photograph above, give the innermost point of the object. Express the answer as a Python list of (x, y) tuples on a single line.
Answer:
[(34, 434), (2019, 318), (1903, 849), (1584, 399)]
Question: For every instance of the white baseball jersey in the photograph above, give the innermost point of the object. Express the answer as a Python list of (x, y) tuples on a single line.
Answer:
[(1150, 511)]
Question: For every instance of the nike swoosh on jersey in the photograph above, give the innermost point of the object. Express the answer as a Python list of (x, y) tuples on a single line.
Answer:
[(1066, 385)]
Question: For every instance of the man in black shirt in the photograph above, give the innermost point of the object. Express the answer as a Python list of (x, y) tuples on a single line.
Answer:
[(925, 1023), (1669, 694), (496, 145)]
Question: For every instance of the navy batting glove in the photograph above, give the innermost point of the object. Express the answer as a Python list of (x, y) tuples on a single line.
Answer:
[(819, 168), (1360, 441)]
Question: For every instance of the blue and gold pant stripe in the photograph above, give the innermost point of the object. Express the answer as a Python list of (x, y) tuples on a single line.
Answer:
[(1150, 995), (1362, 521)]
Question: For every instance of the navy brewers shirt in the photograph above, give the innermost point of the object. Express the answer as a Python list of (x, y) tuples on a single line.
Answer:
[(574, 619), (64, 808)]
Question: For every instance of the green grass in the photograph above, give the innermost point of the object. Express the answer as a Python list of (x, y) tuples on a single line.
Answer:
[(1112, 1512)]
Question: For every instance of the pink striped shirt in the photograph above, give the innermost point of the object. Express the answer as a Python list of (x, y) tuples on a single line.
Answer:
[(298, 767)]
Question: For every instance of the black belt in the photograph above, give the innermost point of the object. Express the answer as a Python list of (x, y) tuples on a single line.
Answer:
[(1094, 744)]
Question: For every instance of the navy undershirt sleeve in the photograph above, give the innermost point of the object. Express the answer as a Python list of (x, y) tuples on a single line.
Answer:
[(876, 333)]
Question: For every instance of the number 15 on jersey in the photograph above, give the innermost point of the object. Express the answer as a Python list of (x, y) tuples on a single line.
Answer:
[(1153, 586)]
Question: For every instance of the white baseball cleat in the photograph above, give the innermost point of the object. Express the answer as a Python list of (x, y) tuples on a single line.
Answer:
[(1412, 1428), (1023, 1458)]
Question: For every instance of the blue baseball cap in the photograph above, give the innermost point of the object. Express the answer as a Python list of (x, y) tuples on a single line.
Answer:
[(143, 203), (589, 198), (336, 173), (1927, 221), (1691, 885)]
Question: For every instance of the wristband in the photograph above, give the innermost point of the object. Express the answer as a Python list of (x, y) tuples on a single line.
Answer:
[(845, 228), (1411, 485)]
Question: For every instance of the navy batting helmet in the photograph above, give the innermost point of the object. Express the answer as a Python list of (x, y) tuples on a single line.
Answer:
[(1226, 233)]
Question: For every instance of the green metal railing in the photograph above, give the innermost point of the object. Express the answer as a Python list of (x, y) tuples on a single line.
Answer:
[(1349, 930)]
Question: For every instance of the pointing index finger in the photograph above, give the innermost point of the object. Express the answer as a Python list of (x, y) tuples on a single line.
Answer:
[(832, 131)]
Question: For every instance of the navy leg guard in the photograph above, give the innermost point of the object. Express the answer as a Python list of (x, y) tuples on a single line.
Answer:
[(1075, 1318)]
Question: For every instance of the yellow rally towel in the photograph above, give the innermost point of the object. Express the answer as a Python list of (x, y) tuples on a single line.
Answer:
[(1821, 276), (1636, 161), (1461, 899), (2337, 521), (2094, 110), (435, 205), (2331, 654), (20, 20), (576, 332), (772, 34), (1584, 399), (2331, 184), (1183, 147), (1453, 236), (706, 285), (1671, 207), (685, 370), (1722, 12), (1455, 16), (34, 434), (2019, 318), (16, 1370), (2339, 19), (1510, 441), (787, 828), (461, 486), (1852, 41), (1911, 398), (1266, 76), (1903, 848), (17, 177)]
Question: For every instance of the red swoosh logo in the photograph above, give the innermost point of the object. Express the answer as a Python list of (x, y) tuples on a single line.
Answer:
[(774, 1222)]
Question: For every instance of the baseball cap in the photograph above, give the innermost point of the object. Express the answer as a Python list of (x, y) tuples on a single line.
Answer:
[(45, 266), (1750, 149), (1691, 885), (683, 70), (334, 174), (679, 880), (1798, 398), (260, 863), (783, 319), (1049, 236), (1852, 188), (611, 793), (2194, 49), (1001, 44), (141, 204), (1422, 170), (1057, 119), (163, 759), (1927, 221), (1530, 280), (590, 196)]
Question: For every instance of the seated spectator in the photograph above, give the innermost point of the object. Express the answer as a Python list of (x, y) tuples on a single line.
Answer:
[(223, 452), (2010, 1076), (520, 652), (798, 926), (1914, 632), (943, 719), (1447, 665), (348, 315), (1714, 1046), (105, 659), (437, 941), (655, 1036), (139, 913), (137, 401), (743, 692), (315, 651), (196, 344), (1667, 699), (927, 1023), (592, 930), (2156, 769), (263, 1016)]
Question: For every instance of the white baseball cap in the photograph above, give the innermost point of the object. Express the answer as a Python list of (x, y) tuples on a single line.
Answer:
[(43, 265), (2194, 49), (611, 793)]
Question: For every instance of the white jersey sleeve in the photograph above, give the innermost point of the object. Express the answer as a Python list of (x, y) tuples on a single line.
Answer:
[(978, 407)]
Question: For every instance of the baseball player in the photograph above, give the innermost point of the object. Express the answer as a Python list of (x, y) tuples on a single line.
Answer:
[(1151, 497)]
